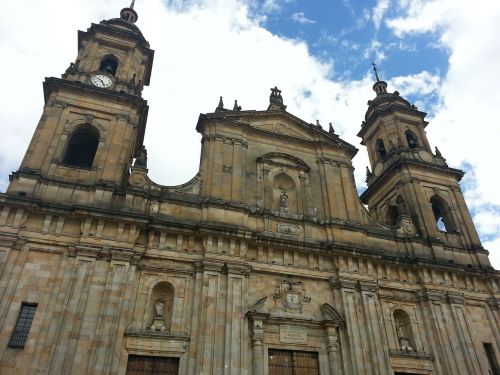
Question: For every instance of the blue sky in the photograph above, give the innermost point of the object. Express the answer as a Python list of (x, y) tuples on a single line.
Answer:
[(442, 55), (346, 32), (351, 35)]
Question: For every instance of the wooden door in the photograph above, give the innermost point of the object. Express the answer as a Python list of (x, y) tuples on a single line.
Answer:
[(280, 362), (144, 365), (305, 363), (285, 362)]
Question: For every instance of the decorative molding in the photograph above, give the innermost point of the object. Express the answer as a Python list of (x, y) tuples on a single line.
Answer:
[(331, 315), (288, 229)]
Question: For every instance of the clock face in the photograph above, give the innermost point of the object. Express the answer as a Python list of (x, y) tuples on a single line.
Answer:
[(101, 80)]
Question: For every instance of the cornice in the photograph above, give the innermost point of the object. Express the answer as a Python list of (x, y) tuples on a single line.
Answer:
[(51, 84), (402, 162)]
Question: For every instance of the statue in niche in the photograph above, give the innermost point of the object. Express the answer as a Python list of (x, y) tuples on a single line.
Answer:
[(159, 311), (159, 305), (403, 210), (284, 199), (404, 341)]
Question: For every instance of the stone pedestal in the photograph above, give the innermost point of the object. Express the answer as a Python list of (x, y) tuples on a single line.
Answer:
[(158, 325)]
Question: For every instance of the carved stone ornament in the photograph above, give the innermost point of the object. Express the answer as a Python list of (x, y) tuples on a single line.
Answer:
[(288, 229), (291, 296), (142, 158), (257, 306), (158, 324), (331, 314)]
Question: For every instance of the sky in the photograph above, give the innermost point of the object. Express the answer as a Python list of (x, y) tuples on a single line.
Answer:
[(441, 55)]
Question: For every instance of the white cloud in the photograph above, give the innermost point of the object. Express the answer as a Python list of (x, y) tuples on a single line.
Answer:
[(300, 17), (423, 83), (379, 12), (374, 51), (494, 249), (488, 221), (273, 6)]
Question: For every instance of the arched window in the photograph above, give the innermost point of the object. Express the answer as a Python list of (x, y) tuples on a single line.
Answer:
[(109, 64), (162, 303), (392, 215), (411, 139), (404, 331), (82, 147), (380, 147), (442, 215)]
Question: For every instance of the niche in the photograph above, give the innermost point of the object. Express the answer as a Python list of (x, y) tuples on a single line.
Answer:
[(161, 307), (284, 193), (404, 331)]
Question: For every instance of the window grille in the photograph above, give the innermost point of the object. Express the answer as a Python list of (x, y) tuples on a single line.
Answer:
[(23, 325)]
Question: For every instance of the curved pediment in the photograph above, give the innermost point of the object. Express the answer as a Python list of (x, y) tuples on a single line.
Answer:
[(284, 160), (330, 313)]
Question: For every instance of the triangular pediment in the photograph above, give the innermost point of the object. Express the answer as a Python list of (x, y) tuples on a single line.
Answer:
[(283, 126)]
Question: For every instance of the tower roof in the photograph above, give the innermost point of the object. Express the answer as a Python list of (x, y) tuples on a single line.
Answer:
[(384, 100), (129, 14)]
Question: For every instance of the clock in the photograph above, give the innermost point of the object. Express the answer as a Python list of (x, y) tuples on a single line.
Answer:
[(101, 80)]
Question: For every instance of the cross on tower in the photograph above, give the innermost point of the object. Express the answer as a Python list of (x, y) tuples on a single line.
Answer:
[(376, 72)]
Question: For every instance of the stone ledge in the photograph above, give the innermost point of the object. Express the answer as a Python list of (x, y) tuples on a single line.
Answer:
[(162, 344), (411, 354)]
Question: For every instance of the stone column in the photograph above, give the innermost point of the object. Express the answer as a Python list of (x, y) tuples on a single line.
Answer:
[(257, 351), (332, 348)]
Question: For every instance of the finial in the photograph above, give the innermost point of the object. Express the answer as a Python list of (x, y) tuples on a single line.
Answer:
[(331, 130), (438, 153), (236, 106), (129, 14), (220, 106), (368, 172), (376, 72), (318, 124), (276, 100)]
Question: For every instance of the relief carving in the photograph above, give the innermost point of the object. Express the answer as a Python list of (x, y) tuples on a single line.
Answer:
[(288, 229), (291, 296)]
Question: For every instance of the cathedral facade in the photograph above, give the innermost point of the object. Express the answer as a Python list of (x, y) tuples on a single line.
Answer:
[(266, 262)]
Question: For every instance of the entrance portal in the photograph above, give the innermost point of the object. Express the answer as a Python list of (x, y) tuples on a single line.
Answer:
[(144, 365), (286, 362)]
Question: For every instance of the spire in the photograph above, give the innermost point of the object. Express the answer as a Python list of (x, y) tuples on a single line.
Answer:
[(376, 72), (380, 87), (129, 14)]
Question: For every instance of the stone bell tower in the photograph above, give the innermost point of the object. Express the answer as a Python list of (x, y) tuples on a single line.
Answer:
[(409, 180), (94, 117)]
